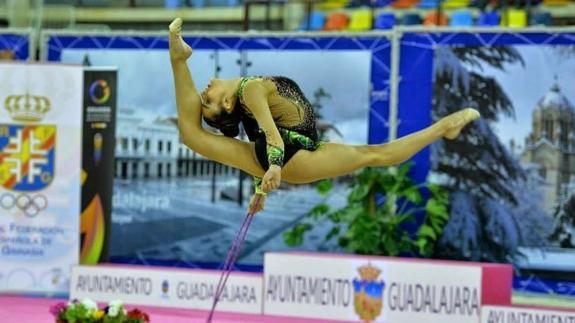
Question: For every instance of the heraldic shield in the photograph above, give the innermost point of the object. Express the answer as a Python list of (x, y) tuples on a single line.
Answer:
[(368, 293), (27, 155)]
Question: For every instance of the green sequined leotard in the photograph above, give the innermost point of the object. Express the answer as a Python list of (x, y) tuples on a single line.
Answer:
[(293, 117)]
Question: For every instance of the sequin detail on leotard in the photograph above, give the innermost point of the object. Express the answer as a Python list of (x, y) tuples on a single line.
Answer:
[(299, 135), (302, 133)]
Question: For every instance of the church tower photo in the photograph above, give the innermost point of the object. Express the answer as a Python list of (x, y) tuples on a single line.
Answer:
[(550, 146)]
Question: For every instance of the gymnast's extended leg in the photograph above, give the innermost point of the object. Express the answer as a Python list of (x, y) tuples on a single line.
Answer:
[(332, 160), (225, 150)]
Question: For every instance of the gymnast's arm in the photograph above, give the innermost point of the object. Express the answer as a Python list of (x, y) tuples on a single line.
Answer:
[(255, 97)]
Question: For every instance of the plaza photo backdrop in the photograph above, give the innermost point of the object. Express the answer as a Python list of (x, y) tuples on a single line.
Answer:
[(16, 44), (171, 205)]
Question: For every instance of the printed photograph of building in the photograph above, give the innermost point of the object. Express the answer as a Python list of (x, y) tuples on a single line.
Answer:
[(170, 203), (550, 147)]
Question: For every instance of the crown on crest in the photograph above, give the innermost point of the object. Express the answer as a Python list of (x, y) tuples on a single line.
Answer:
[(27, 107), (369, 272)]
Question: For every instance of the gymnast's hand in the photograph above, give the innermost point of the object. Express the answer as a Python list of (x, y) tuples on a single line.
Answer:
[(272, 178)]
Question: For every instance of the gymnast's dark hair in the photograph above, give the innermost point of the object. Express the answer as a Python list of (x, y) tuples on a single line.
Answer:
[(227, 123)]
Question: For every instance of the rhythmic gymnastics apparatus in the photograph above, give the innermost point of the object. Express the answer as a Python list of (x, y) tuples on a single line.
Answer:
[(280, 124)]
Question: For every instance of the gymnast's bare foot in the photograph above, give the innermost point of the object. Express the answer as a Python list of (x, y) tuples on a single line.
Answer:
[(454, 123), (179, 50)]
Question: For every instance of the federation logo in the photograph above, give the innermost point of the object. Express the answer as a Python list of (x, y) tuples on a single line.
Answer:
[(368, 293), (100, 91), (27, 151), (30, 205)]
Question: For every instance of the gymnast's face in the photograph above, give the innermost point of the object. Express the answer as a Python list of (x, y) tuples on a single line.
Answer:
[(213, 97)]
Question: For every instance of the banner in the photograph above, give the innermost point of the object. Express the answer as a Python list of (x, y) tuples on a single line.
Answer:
[(501, 314), (527, 134), (39, 175), (189, 289), (377, 289), (511, 173), (100, 97)]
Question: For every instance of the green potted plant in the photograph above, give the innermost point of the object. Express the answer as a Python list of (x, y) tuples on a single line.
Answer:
[(364, 226)]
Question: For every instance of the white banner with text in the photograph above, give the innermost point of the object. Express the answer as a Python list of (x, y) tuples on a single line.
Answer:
[(374, 289), (40, 164), (508, 314), (167, 287)]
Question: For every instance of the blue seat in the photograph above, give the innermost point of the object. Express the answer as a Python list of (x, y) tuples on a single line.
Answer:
[(385, 20), (488, 19), (172, 4), (461, 19), (225, 3), (411, 19), (541, 19), (169, 4), (197, 3), (382, 3), (317, 21)]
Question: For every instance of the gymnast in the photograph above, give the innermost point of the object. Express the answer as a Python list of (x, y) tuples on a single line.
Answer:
[(280, 124)]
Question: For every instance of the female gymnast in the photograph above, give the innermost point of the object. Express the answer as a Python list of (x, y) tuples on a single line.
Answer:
[(280, 124)]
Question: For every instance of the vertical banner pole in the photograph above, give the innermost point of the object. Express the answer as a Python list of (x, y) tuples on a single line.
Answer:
[(394, 85)]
